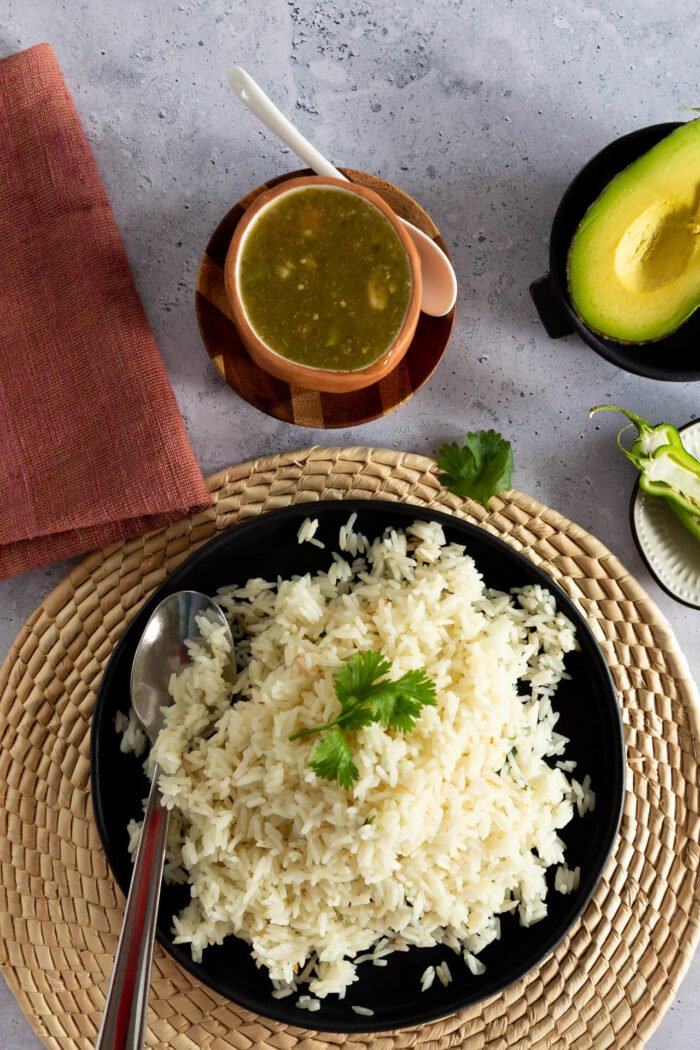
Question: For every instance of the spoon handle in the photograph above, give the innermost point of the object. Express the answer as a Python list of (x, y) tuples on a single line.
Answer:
[(439, 282), (254, 98), (126, 1007)]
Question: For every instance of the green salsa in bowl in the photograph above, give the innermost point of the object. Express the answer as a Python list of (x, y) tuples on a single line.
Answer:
[(324, 284)]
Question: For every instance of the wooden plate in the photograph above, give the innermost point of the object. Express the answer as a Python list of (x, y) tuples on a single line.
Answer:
[(292, 404)]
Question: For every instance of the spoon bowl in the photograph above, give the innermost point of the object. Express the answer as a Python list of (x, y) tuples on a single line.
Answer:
[(161, 652)]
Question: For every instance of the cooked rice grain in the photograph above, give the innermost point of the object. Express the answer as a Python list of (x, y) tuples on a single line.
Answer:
[(307, 532)]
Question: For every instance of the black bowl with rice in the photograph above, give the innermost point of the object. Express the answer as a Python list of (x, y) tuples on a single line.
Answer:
[(433, 811)]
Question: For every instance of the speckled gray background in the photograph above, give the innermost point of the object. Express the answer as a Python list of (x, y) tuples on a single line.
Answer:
[(483, 110)]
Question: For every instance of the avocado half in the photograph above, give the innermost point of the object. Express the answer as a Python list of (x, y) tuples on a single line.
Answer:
[(634, 263)]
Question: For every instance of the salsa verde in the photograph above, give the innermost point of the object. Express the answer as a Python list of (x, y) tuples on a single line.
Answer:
[(324, 279)]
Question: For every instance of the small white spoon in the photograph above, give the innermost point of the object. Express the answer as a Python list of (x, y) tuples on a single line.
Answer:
[(439, 281)]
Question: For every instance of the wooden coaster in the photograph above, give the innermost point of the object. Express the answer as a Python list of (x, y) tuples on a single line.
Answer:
[(605, 987), (292, 404)]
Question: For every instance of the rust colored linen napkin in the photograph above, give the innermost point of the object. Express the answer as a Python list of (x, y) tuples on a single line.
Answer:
[(92, 445)]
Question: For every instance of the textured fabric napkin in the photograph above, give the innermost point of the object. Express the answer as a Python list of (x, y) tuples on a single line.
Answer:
[(92, 445)]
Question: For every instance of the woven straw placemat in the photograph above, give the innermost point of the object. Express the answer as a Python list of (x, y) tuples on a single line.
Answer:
[(607, 985)]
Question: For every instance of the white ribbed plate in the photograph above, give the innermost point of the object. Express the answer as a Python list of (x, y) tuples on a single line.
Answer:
[(671, 553)]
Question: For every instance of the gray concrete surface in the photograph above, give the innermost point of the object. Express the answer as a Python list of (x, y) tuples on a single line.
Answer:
[(483, 110)]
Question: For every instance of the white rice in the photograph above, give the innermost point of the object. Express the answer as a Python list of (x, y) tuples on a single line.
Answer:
[(307, 1002), (448, 826), (443, 974), (307, 532), (134, 738), (584, 796), (348, 540), (475, 965), (566, 881), (427, 979), (282, 992)]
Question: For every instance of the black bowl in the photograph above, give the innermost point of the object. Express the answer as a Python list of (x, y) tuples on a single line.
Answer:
[(674, 358), (589, 715)]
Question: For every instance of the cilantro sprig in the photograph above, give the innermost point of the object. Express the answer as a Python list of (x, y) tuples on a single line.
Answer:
[(366, 696), (480, 469)]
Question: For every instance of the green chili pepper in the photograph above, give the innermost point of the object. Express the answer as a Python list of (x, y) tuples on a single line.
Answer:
[(649, 438), (690, 521), (666, 468)]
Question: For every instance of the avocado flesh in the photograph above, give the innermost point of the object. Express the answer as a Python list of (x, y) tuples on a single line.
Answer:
[(634, 262)]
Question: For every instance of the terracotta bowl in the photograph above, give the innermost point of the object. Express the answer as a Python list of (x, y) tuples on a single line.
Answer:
[(322, 379)]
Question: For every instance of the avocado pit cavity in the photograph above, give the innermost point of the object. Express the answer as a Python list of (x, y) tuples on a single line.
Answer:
[(656, 248)]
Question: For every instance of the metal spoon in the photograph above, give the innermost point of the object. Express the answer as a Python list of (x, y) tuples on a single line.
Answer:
[(160, 651), (439, 281)]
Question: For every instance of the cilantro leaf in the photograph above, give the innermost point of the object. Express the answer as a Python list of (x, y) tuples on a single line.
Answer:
[(480, 469), (398, 704), (355, 716), (354, 684), (357, 676), (364, 699), (331, 759)]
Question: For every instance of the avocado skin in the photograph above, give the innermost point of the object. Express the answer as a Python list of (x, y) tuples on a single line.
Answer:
[(633, 267)]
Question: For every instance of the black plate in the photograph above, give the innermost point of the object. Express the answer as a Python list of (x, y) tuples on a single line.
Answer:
[(673, 358), (267, 546)]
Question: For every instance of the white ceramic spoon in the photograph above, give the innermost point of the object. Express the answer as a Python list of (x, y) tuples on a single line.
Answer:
[(439, 281)]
